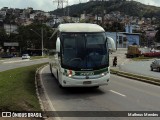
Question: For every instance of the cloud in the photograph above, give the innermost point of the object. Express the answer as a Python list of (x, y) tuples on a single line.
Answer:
[(48, 5), (150, 2)]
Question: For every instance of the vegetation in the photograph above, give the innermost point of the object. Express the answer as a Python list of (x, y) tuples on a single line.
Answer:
[(158, 35), (28, 38), (17, 89), (131, 8), (116, 26), (146, 79), (37, 57), (141, 58)]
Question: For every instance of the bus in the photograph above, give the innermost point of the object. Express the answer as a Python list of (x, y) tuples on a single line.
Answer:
[(82, 56)]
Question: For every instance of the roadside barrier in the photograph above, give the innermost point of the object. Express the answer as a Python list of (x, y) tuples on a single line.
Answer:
[(146, 79)]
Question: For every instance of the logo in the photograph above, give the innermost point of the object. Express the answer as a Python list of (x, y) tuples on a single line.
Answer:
[(87, 73), (6, 114)]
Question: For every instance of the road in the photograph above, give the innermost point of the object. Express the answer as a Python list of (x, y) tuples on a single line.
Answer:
[(121, 94), (17, 62), (140, 67)]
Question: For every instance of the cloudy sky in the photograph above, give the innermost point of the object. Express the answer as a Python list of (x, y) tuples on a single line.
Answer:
[(48, 5)]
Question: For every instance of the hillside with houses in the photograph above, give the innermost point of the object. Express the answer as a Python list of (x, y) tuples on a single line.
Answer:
[(113, 15)]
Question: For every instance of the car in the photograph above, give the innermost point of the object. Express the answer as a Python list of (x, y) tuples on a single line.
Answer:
[(25, 56), (155, 65), (7, 56)]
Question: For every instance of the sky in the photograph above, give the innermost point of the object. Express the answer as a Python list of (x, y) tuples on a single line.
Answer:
[(48, 5)]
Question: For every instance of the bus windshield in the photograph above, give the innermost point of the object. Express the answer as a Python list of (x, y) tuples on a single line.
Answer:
[(84, 51)]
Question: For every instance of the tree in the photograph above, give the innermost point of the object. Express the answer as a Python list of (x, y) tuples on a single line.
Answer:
[(30, 39), (157, 36), (115, 26), (3, 36)]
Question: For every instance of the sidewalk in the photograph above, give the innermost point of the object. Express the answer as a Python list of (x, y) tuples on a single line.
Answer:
[(121, 58)]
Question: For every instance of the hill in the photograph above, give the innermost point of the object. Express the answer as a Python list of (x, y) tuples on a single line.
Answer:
[(131, 8)]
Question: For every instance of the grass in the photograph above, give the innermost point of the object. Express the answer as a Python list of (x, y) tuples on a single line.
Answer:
[(3, 58), (37, 57), (17, 89), (141, 58), (138, 77)]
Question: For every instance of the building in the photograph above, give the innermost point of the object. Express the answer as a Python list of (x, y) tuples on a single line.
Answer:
[(124, 39), (2, 13), (10, 28)]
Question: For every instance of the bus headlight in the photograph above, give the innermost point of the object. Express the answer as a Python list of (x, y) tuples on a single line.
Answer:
[(105, 73), (69, 75)]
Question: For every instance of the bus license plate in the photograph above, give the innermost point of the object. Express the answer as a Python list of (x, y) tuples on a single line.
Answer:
[(87, 82)]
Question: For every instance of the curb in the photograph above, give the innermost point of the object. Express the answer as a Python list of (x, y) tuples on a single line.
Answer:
[(154, 81), (39, 89), (43, 97)]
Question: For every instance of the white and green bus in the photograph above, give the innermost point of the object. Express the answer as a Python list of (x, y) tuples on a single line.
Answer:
[(82, 56)]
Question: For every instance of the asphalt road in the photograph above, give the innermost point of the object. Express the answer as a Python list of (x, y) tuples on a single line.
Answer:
[(121, 94), (18, 62), (140, 67)]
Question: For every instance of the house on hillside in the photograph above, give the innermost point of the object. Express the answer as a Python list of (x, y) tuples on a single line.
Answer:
[(3, 13), (150, 37), (10, 28)]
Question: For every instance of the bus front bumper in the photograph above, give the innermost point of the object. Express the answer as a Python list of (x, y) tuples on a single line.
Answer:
[(71, 82)]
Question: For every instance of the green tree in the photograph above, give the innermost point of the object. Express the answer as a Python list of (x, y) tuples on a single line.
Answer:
[(30, 36), (157, 36), (3, 36), (115, 26)]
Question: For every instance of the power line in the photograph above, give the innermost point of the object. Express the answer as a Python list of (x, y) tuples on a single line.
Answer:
[(61, 3)]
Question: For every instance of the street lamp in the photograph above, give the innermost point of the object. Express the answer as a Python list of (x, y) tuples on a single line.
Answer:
[(116, 37), (40, 36)]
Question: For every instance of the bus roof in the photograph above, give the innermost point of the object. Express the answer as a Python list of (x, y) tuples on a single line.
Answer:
[(80, 27)]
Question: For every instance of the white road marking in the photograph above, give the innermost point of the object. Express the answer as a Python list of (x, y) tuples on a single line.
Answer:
[(117, 93), (47, 97)]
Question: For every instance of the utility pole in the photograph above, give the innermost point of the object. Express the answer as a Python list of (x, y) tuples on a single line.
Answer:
[(116, 37), (40, 35), (68, 10), (42, 39), (103, 12), (60, 4)]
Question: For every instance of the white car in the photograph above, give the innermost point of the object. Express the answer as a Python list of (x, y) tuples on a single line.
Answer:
[(25, 56)]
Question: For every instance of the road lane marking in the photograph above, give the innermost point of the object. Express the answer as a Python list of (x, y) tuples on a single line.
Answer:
[(117, 93), (47, 97)]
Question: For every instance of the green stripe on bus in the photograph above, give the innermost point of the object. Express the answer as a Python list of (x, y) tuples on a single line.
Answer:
[(96, 72)]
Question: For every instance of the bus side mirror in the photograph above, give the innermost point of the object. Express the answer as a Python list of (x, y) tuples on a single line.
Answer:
[(58, 45), (111, 44)]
